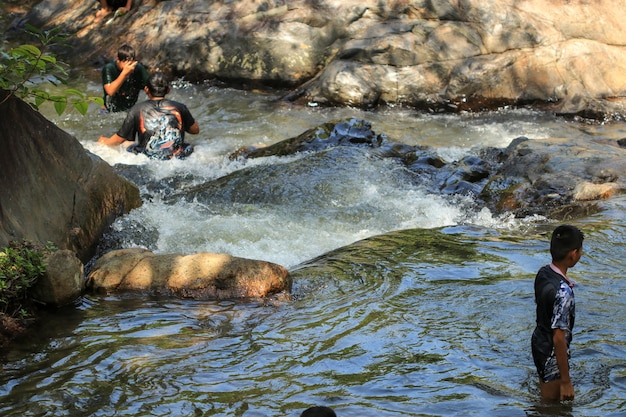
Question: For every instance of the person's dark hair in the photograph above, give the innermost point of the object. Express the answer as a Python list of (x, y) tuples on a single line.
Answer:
[(126, 53), (318, 411), (565, 238), (158, 85)]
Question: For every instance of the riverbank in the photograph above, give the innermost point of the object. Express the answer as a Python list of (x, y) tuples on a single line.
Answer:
[(448, 57)]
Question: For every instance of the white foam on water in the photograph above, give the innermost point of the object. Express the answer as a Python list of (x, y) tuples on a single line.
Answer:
[(374, 199), (370, 202)]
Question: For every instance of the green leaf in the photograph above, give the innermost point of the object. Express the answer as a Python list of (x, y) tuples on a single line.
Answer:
[(39, 101), (60, 106), (82, 107), (38, 93), (26, 50), (74, 92), (98, 100), (41, 66), (33, 30), (49, 58)]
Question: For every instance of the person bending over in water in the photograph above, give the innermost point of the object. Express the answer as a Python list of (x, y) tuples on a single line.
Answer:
[(159, 124), (554, 297)]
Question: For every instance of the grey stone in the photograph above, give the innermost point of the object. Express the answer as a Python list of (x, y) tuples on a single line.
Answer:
[(63, 281)]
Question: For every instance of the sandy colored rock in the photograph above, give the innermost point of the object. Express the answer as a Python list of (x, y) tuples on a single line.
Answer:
[(199, 276), (445, 55), (586, 191)]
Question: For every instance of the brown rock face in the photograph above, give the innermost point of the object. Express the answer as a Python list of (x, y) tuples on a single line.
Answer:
[(197, 276), (53, 190), (437, 55)]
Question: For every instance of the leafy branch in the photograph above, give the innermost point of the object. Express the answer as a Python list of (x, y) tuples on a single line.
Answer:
[(25, 68), (21, 264)]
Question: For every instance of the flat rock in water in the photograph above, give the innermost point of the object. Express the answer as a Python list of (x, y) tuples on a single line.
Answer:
[(198, 276)]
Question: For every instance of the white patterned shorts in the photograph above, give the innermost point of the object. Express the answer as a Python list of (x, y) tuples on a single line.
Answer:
[(550, 370)]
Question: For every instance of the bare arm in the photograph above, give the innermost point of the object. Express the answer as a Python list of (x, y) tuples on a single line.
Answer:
[(194, 129), (114, 140), (560, 349), (129, 4), (127, 68)]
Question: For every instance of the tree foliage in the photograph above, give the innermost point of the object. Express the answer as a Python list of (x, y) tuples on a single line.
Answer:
[(26, 68)]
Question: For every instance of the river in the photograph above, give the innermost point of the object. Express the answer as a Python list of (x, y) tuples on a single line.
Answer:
[(405, 303)]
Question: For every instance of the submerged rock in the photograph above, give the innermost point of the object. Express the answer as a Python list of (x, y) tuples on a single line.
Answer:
[(467, 176), (556, 177), (560, 178)]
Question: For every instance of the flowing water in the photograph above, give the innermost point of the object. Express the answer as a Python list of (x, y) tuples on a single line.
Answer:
[(405, 303)]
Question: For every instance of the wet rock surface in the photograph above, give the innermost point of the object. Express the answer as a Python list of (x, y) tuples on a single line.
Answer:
[(559, 178)]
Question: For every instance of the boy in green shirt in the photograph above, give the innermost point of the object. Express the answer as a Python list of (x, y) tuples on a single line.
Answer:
[(122, 80)]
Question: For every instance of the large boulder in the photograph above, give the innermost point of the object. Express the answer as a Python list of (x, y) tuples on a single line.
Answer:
[(443, 55), (53, 190), (477, 55), (198, 276)]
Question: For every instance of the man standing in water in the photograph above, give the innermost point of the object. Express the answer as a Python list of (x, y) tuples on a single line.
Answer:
[(554, 296), (158, 123)]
